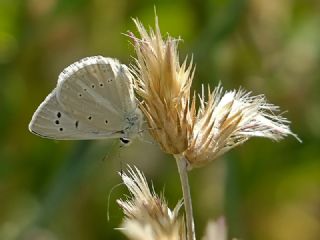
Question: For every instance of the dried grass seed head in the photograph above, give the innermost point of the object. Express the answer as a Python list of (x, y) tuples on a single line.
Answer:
[(147, 215), (164, 88), (222, 122), (228, 119)]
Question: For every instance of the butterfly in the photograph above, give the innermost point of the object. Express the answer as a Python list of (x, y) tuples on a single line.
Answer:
[(93, 99)]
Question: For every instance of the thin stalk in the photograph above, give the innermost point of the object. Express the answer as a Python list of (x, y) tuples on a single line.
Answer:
[(182, 168)]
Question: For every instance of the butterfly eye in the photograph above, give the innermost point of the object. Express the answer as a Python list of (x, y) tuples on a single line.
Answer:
[(125, 141), (59, 114), (89, 117), (77, 124), (61, 129), (57, 122)]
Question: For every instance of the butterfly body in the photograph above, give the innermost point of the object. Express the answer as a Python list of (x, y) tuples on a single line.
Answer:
[(93, 99)]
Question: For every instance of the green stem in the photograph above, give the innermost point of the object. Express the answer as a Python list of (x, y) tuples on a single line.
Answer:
[(182, 168)]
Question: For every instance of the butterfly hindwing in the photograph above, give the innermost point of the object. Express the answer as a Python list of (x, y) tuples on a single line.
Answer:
[(51, 121)]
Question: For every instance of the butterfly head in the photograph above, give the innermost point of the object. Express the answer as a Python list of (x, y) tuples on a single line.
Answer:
[(134, 123)]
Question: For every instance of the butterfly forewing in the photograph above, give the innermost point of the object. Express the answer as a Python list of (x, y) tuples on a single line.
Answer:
[(93, 98)]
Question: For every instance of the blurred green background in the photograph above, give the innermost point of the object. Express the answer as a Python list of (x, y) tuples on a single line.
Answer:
[(59, 190)]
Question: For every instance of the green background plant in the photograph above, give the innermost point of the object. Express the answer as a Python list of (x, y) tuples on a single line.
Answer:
[(59, 189)]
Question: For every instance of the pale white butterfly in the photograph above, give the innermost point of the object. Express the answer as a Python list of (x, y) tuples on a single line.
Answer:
[(93, 99)]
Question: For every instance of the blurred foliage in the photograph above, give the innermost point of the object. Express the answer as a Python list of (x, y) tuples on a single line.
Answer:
[(59, 190)]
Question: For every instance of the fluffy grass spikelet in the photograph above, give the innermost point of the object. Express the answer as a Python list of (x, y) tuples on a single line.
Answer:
[(228, 119), (164, 87), (147, 215), (223, 120)]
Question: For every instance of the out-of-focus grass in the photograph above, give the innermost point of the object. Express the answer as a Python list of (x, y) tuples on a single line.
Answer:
[(59, 190)]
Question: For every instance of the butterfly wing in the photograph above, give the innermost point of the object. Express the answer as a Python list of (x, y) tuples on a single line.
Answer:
[(51, 121), (92, 100)]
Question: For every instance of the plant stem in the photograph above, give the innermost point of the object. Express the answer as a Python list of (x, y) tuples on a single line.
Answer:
[(182, 168)]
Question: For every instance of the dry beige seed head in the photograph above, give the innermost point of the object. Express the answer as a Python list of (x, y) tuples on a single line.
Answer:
[(216, 230), (227, 120), (147, 215), (164, 87), (222, 121)]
